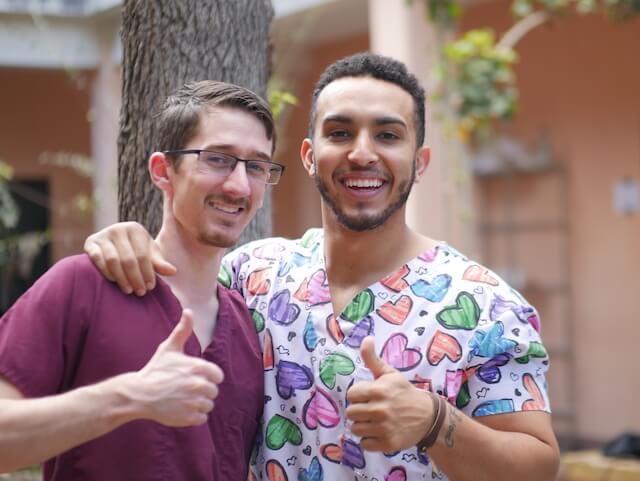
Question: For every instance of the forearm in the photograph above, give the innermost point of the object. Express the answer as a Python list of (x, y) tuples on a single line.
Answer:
[(34, 430), (467, 450)]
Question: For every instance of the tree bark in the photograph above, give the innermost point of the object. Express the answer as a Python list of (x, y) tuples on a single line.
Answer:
[(167, 43)]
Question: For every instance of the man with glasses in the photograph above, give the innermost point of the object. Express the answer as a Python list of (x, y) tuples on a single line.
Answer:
[(107, 386)]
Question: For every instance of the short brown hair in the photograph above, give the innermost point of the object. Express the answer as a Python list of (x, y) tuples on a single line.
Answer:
[(179, 119)]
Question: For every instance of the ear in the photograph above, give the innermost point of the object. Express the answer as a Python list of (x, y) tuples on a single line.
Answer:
[(423, 157), (159, 171), (307, 157)]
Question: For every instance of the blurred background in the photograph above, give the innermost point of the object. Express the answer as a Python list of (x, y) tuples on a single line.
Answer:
[(533, 120)]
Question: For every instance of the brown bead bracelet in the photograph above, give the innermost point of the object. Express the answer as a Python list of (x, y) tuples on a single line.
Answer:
[(440, 410)]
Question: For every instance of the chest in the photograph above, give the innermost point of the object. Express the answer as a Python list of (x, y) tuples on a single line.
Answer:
[(204, 323)]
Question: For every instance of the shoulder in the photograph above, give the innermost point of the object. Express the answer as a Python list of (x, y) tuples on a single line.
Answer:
[(66, 275), (492, 295), (76, 265), (273, 248), (268, 252), (468, 273)]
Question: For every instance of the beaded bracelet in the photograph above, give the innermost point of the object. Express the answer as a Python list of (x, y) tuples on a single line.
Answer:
[(440, 410)]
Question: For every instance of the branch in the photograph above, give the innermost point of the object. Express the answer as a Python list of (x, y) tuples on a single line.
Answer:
[(524, 26)]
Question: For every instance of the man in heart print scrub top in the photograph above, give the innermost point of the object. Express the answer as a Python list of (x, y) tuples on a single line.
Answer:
[(125, 386), (387, 355)]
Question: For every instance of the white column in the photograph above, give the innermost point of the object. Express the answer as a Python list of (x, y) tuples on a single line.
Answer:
[(104, 115), (440, 205)]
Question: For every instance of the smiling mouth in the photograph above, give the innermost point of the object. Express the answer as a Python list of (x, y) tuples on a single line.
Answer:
[(227, 209), (363, 184)]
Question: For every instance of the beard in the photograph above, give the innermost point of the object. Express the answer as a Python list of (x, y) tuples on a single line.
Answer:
[(217, 239), (222, 235), (362, 222)]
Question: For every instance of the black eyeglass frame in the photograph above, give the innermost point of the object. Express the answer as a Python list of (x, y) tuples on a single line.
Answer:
[(237, 159)]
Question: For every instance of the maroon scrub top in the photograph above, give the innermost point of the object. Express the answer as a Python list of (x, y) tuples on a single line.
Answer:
[(74, 328)]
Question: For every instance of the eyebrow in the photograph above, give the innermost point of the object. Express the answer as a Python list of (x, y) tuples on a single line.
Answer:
[(390, 120), (225, 148), (344, 119)]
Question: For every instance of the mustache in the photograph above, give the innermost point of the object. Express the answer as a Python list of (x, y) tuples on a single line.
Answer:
[(242, 203), (355, 169)]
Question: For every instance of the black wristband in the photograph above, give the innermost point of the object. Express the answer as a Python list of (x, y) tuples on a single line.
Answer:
[(440, 412)]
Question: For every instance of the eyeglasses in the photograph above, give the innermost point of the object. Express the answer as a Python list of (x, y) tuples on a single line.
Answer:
[(221, 165)]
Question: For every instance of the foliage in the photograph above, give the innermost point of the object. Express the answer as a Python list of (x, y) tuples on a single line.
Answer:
[(477, 77), (444, 12), (279, 100), (617, 10), (484, 85), (9, 212)]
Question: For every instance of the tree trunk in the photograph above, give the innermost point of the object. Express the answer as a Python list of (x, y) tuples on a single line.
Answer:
[(167, 43)]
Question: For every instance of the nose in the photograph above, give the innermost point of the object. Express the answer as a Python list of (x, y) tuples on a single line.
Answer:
[(363, 152), (236, 183)]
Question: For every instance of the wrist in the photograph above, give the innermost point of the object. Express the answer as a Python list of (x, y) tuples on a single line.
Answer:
[(439, 406), (115, 400)]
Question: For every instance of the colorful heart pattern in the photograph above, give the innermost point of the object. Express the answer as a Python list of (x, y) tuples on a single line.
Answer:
[(258, 320), (489, 372), (465, 314), (536, 350), (360, 306), (397, 473), (275, 471), (396, 282), (270, 251), (361, 330), (313, 472), (453, 383), (224, 276), (449, 325), (259, 283), (477, 273), (396, 353), (396, 312), (495, 406), (331, 452), (267, 351), (433, 291), (281, 311), (333, 328), (318, 288), (500, 306), (352, 455), (280, 431), (536, 403), (321, 410), (310, 335), (490, 343), (333, 365), (297, 260), (442, 346), (291, 377)]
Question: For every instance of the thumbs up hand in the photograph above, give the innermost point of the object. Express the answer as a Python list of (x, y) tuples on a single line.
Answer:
[(388, 413), (173, 388), (376, 365)]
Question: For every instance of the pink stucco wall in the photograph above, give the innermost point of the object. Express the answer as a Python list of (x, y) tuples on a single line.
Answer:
[(42, 111), (578, 82)]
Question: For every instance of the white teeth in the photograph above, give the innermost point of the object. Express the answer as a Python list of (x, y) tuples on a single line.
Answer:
[(226, 208), (363, 183)]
